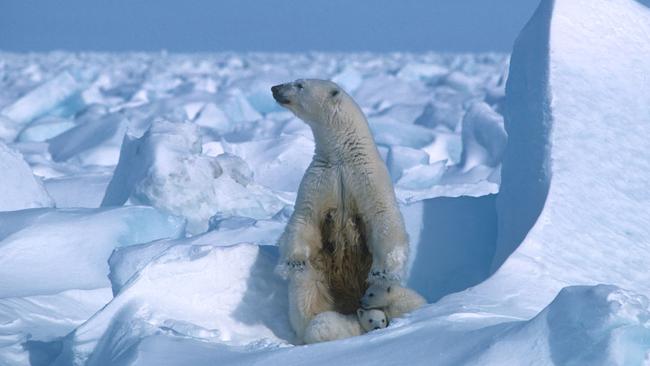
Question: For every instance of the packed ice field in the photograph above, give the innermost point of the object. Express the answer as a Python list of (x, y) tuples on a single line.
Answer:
[(121, 151), (142, 196)]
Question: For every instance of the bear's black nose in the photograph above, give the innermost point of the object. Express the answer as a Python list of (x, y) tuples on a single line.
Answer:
[(278, 95), (376, 328)]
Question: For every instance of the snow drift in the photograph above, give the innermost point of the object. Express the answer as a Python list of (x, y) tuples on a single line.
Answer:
[(62, 255), (574, 174), (225, 295)]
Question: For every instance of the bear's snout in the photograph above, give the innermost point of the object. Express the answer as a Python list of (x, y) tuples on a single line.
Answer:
[(278, 94)]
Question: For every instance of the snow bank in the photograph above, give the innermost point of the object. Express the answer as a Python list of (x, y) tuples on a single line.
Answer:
[(165, 168), (126, 261), (575, 172), (45, 296), (19, 188), (584, 325), (78, 243), (227, 295), (31, 326), (599, 325)]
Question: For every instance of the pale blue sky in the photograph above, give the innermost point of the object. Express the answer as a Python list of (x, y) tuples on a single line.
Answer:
[(262, 25)]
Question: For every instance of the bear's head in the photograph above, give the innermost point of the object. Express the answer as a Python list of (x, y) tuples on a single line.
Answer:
[(377, 296), (371, 319), (312, 100)]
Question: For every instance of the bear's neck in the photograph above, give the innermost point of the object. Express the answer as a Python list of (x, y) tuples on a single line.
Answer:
[(344, 140)]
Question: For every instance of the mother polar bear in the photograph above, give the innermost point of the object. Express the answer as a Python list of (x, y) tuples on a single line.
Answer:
[(346, 231)]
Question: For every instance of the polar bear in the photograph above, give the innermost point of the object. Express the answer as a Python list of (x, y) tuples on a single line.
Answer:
[(346, 230), (330, 325), (394, 300)]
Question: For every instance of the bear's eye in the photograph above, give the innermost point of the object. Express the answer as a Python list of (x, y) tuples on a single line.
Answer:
[(334, 93), (371, 294), (369, 320), (388, 289), (299, 86), (383, 320)]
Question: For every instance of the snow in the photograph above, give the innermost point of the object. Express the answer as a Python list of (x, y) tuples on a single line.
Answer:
[(62, 256), (584, 179), (233, 295), (93, 143), (78, 242), (484, 138), (46, 97), (165, 168), (174, 175), (20, 188)]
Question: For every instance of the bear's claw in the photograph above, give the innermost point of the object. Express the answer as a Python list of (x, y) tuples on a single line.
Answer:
[(385, 276), (297, 266)]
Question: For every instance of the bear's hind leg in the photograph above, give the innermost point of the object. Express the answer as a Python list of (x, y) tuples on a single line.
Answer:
[(309, 296)]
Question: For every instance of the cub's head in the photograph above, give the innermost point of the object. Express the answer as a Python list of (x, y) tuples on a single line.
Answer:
[(377, 296), (371, 319), (312, 100)]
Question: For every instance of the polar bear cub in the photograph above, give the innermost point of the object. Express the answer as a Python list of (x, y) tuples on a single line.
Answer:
[(394, 300), (330, 325)]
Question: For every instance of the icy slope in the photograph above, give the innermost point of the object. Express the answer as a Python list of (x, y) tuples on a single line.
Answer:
[(578, 120)]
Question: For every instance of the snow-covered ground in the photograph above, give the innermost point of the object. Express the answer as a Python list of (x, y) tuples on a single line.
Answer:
[(142, 194)]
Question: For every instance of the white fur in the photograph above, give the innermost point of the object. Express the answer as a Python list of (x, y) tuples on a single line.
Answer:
[(395, 303), (346, 166), (330, 325)]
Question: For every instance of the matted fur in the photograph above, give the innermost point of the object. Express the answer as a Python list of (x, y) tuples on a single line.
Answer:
[(344, 258)]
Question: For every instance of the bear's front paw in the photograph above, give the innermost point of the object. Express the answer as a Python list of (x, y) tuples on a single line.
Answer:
[(377, 275), (296, 265)]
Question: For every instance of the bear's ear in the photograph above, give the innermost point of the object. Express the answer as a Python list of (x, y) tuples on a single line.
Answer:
[(334, 93), (388, 290), (359, 313)]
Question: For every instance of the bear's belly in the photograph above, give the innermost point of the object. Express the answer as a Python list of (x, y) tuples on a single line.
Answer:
[(344, 258)]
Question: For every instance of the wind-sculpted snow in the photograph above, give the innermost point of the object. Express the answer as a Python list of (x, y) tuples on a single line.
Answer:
[(576, 168)]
